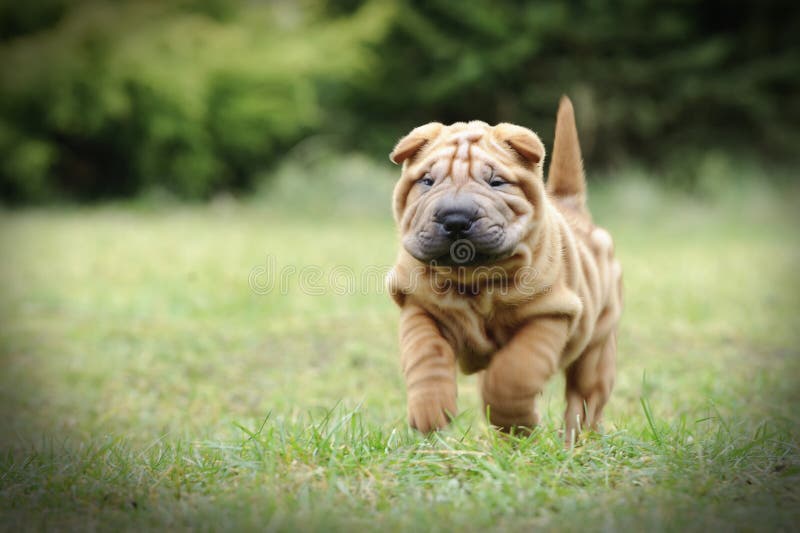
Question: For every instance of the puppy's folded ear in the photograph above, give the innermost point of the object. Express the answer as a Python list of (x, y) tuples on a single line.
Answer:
[(409, 145), (522, 140)]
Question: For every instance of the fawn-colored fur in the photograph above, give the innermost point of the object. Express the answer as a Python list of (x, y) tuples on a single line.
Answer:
[(515, 330)]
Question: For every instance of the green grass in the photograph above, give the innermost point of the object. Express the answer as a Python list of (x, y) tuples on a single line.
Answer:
[(144, 384)]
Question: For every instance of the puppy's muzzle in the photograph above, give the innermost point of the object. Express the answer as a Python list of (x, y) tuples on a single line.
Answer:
[(459, 232)]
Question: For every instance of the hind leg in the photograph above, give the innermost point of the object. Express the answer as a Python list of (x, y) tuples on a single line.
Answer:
[(589, 383)]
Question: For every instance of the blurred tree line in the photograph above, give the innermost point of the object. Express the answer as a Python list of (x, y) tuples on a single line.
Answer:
[(109, 98)]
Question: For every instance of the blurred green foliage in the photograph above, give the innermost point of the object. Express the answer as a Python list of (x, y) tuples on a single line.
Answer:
[(101, 99), (191, 96), (666, 84)]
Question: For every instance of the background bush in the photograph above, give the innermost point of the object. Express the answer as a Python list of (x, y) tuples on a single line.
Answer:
[(190, 96), (104, 99)]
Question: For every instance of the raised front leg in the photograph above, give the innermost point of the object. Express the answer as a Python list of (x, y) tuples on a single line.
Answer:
[(519, 370), (429, 365), (589, 383)]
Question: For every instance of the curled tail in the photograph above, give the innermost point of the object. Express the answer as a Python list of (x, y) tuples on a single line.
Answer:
[(565, 178)]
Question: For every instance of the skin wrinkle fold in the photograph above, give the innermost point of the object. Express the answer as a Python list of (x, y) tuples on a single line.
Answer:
[(561, 297)]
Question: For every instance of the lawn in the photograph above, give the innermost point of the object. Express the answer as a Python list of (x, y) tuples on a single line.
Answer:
[(151, 377)]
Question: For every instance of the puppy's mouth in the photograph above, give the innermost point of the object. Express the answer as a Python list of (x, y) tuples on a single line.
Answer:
[(477, 259), (458, 252)]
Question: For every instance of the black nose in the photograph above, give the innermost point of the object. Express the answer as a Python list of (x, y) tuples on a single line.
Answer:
[(456, 222)]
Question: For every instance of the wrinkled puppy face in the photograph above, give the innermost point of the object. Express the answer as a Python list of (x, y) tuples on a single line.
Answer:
[(469, 192)]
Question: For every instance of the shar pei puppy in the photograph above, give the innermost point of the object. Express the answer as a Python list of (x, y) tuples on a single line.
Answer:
[(501, 274)]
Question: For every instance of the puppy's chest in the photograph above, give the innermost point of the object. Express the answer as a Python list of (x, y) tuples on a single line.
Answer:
[(476, 326)]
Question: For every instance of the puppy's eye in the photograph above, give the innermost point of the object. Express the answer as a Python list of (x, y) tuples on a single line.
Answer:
[(497, 181), (426, 180)]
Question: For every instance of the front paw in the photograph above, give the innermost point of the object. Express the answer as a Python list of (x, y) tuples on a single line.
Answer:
[(432, 409), (508, 402)]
